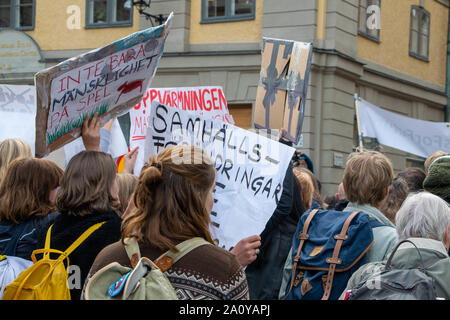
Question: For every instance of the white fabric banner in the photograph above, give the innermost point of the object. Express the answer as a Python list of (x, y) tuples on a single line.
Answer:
[(250, 168), (18, 113), (414, 136)]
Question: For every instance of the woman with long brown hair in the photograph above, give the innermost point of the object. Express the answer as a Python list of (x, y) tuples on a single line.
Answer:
[(27, 196), (88, 195), (173, 202)]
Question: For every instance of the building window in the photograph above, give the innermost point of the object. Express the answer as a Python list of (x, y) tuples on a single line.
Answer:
[(369, 18), (227, 10), (419, 35), (108, 13), (17, 14)]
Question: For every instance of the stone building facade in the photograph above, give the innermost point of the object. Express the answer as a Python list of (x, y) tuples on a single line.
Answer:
[(386, 66)]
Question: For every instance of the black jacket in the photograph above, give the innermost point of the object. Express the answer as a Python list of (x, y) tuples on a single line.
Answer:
[(264, 275), (27, 238), (67, 229)]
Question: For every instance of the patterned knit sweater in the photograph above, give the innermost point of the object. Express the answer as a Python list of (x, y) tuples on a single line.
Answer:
[(207, 272)]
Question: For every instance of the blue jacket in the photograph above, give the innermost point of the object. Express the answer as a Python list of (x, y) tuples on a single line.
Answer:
[(33, 231)]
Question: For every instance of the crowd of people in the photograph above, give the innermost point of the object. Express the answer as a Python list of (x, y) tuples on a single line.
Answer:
[(170, 202)]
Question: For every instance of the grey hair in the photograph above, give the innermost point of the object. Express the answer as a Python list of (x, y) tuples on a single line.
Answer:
[(422, 215)]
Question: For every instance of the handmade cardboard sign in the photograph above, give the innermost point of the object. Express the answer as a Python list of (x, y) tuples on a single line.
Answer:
[(204, 101), (250, 168), (107, 80), (17, 113), (283, 84)]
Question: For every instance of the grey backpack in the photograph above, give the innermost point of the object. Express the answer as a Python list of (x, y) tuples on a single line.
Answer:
[(144, 281), (396, 284)]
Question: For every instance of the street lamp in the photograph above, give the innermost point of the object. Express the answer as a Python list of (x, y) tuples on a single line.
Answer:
[(142, 5)]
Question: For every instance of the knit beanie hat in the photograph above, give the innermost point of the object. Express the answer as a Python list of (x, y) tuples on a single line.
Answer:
[(308, 161), (438, 179)]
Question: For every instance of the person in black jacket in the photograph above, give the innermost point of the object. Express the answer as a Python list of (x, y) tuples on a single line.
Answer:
[(27, 196), (88, 195), (264, 275)]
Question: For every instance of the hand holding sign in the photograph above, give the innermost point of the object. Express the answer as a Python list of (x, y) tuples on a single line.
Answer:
[(246, 250), (90, 133), (106, 81), (130, 160), (250, 168)]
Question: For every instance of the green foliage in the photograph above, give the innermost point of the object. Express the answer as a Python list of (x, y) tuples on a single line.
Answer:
[(72, 124)]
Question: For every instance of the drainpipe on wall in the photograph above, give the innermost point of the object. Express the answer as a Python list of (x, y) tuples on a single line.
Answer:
[(447, 88)]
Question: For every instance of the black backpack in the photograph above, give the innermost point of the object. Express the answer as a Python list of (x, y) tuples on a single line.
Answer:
[(396, 284)]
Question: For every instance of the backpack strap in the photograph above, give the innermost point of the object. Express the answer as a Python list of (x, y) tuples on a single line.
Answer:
[(83, 237), (303, 237), (389, 261), (47, 242), (334, 260), (132, 249), (166, 260), (74, 245)]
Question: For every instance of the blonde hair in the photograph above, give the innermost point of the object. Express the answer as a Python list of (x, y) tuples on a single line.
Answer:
[(127, 183), (433, 157), (306, 184), (11, 149), (367, 175)]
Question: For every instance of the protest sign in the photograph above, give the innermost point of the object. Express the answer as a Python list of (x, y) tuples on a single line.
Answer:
[(418, 137), (283, 84), (203, 101), (107, 80), (18, 113), (250, 168)]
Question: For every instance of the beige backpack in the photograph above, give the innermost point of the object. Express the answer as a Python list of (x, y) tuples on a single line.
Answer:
[(145, 281)]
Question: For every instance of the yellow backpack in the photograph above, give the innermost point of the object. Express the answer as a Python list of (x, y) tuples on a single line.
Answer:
[(46, 279)]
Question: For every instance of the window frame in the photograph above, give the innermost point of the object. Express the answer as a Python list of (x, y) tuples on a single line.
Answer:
[(420, 10), (109, 13), (364, 32), (13, 23), (227, 17)]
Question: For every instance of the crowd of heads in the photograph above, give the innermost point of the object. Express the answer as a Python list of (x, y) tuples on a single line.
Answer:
[(171, 201)]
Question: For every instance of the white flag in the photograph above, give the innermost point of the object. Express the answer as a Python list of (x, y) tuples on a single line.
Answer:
[(411, 135)]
